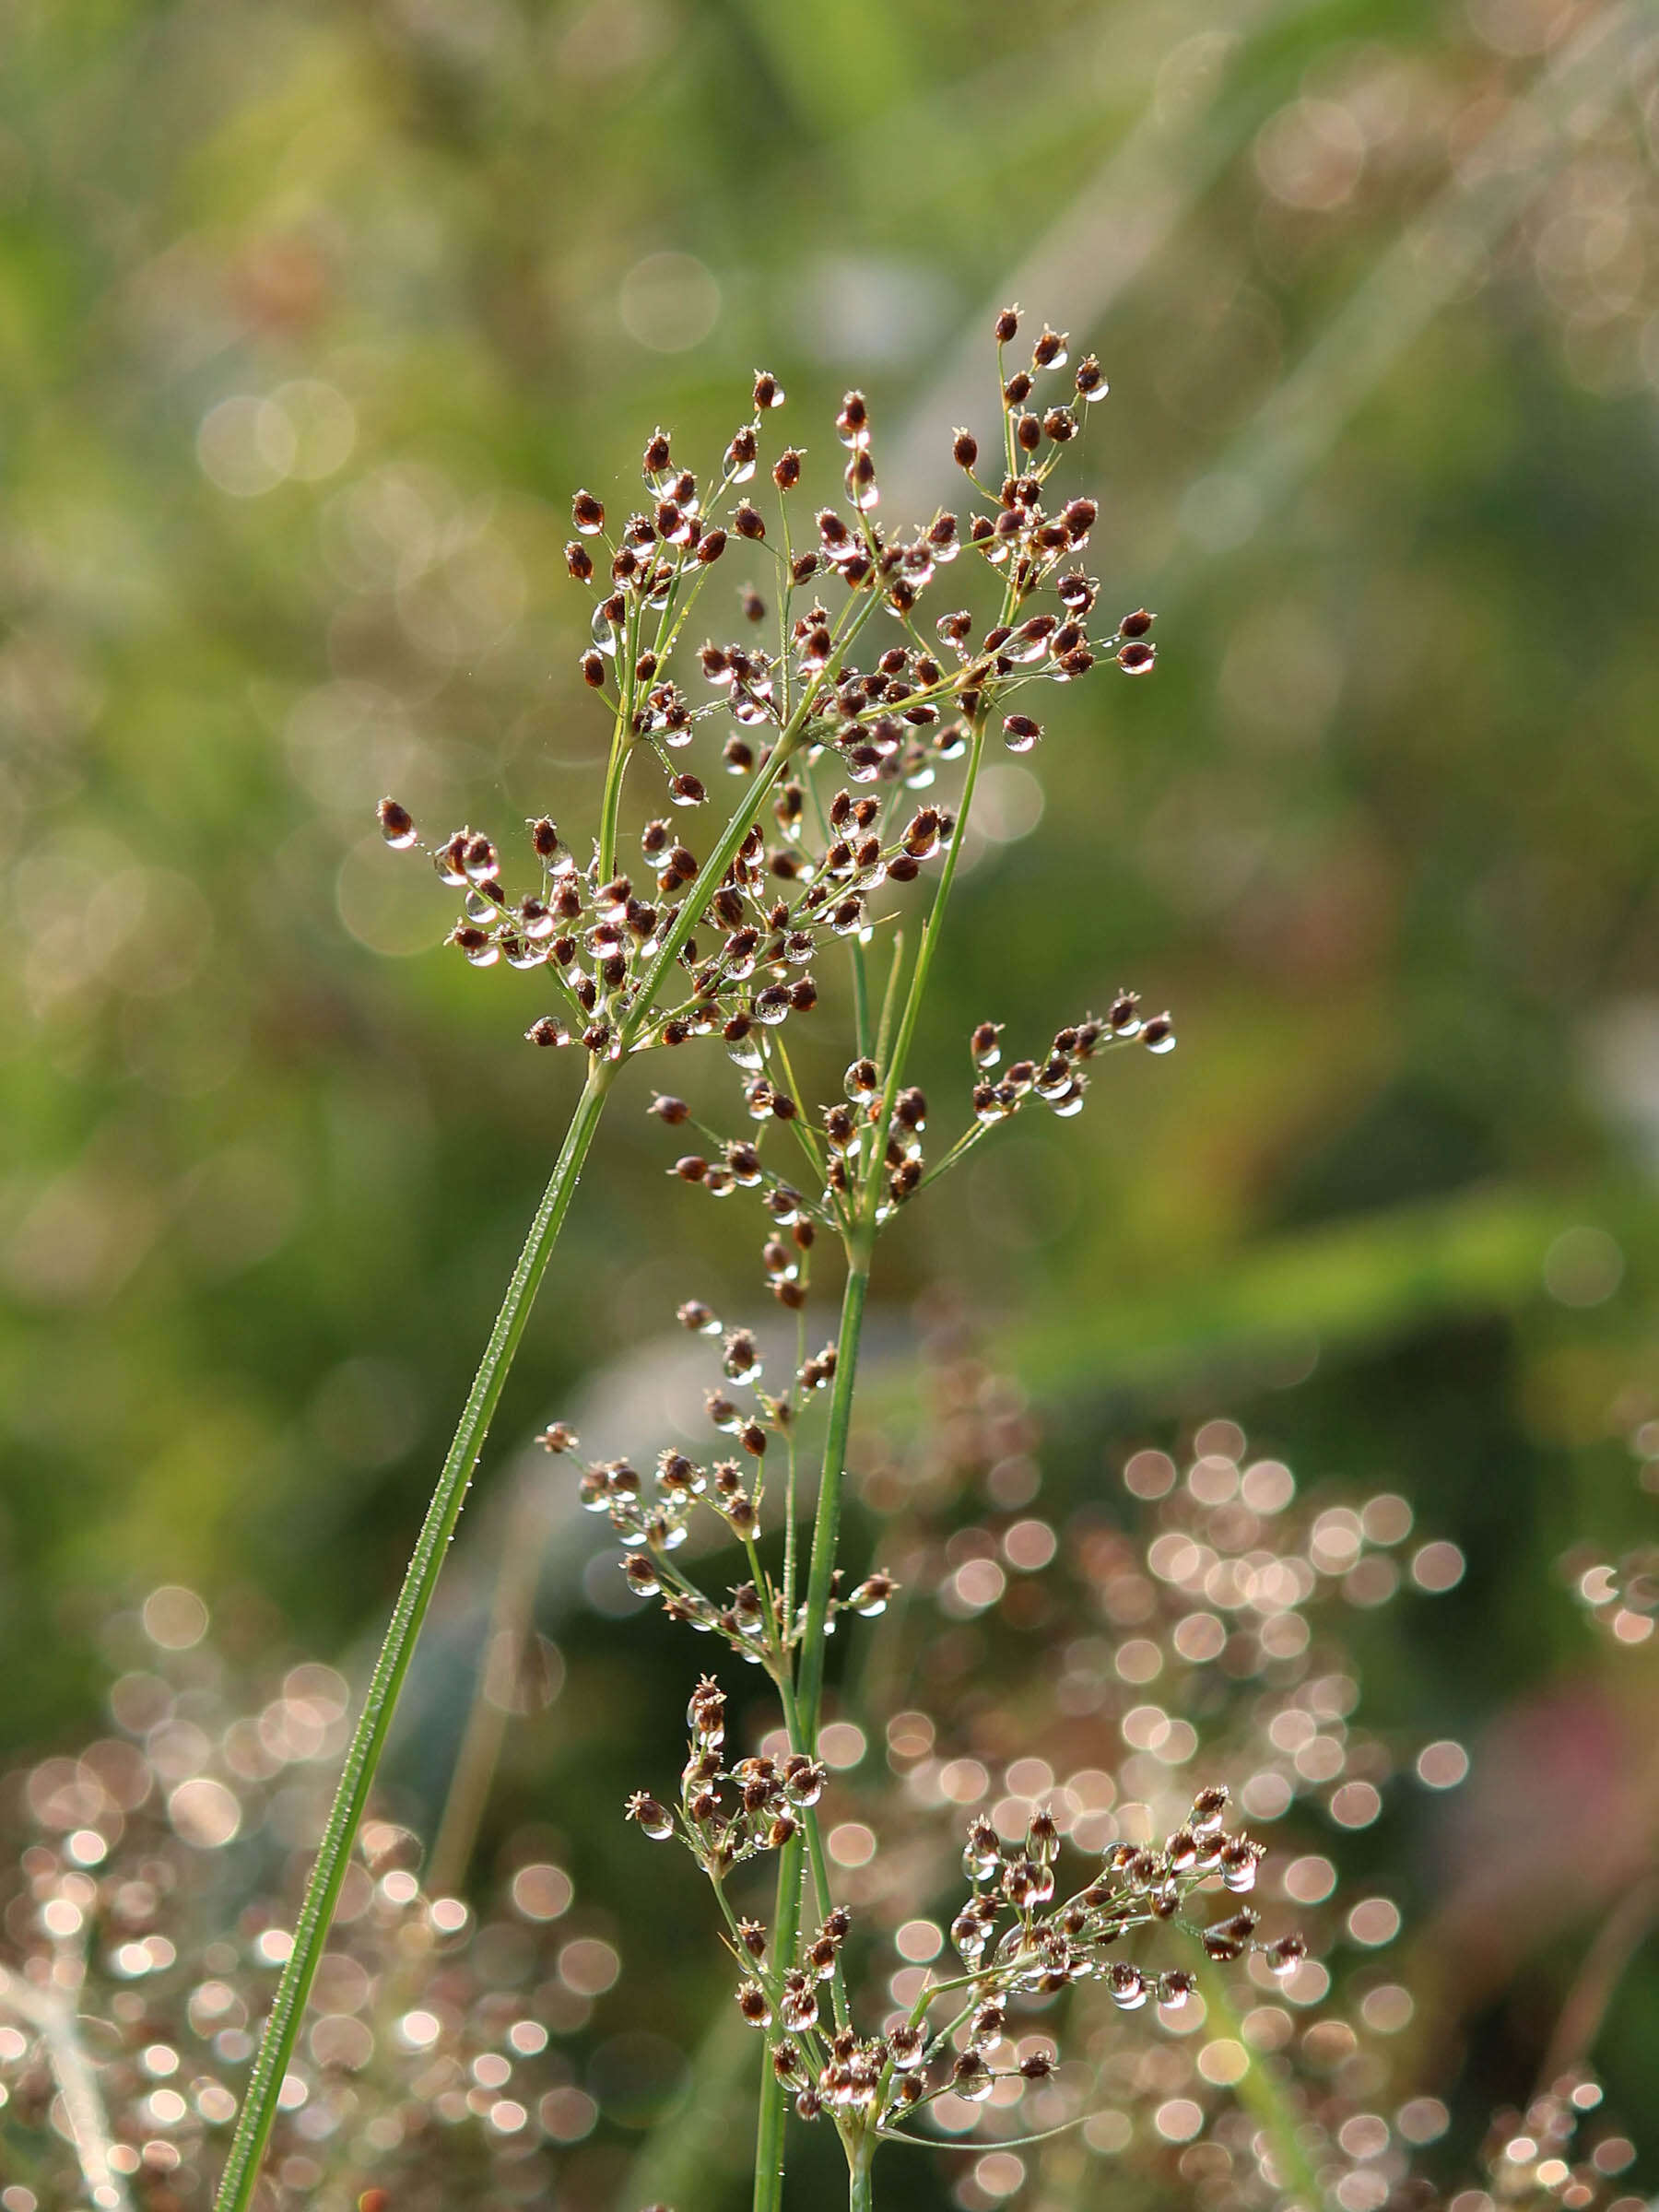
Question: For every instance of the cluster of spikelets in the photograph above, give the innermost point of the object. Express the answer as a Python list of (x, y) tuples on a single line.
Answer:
[(1015, 1938), (618, 946)]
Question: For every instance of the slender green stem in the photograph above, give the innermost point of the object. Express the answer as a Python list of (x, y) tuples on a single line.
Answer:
[(368, 1742), (861, 2195), (826, 1526), (808, 1697), (769, 2128), (610, 805), (925, 953), (861, 1001)]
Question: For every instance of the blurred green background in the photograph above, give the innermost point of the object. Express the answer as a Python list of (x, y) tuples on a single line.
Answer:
[(312, 315)]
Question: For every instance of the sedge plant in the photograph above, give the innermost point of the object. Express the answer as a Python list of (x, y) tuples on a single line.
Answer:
[(852, 742)]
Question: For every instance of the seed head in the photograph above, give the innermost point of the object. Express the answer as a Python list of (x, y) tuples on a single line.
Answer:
[(655, 1817), (397, 824)]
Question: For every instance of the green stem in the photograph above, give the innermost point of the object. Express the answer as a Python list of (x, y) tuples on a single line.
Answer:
[(826, 1526), (809, 1689), (861, 2195), (368, 1742), (919, 974), (768, 2128)]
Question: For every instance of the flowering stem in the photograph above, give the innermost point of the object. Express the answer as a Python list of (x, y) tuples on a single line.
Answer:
[(860, 2194), (826, 1526), (369, 1739), (808, 1699), (826, 1531), (930, 938), (769, 2128)]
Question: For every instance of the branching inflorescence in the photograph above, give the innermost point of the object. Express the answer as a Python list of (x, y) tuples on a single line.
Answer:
[(835, 731), (837, 740)]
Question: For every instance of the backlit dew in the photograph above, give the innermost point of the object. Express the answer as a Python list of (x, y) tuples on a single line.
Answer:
[(1309, 1880), (1388, 2008), (1178, 2119), (204, 1812), (1127, 1986), (1386, 1519), (851, 1843), (1164, 1042), (588, 1966), (1149, 1474), (397, 826), (742, 1362), (972, 2080), (174, 1618), (968, 1933), (418, 2030), (1422, 2120), (1437, 1567), (1224, 2062), (541, 1891), (1442, 1765), (1356, 1804)]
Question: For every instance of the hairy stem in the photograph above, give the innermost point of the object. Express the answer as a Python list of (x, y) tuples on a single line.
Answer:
[(369, 1739)]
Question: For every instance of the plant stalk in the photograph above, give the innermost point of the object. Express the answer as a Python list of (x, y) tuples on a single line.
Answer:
[(773, 2107), (809, 1689), (333, 1854), (826, 1526), (861, 2194)]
